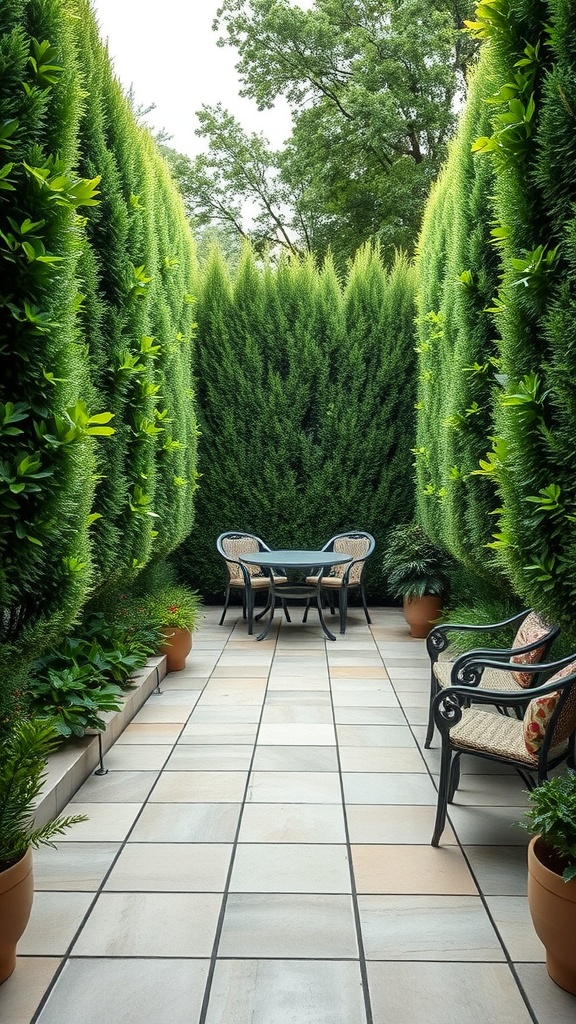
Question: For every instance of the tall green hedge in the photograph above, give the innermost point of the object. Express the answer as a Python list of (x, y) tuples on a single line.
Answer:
[(140, 327), (46, 453), (97, 318), (306, 395), (458, 348), (534, 202), (506, 204)]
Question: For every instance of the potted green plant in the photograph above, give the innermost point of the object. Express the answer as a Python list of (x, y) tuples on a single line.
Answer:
[(175, 610), (22, 763), (552, 874), (417, 571)]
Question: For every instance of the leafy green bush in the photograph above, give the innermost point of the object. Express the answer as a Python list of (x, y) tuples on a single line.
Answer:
[(86, 675), (552, 816), (412, 564), (73, 700), (174, 606)]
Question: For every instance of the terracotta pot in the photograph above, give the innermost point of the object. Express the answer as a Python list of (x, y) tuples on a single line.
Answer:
[(177, 648), (421, 613), (16, 894), (552, 904)]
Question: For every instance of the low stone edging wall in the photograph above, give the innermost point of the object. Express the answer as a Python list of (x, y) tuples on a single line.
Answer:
[(75, 761)]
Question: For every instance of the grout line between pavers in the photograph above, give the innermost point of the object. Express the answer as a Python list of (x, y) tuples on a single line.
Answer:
[(354, 893)]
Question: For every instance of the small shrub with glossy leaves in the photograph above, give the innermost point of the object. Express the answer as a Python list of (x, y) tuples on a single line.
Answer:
[(552, 816), (413, 565)]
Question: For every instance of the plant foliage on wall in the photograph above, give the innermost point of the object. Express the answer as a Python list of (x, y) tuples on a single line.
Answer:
[(525, 136), (97, 426)]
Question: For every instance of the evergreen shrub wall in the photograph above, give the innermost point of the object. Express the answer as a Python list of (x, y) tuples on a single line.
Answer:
[(518, 507), (457, 344), (96, 261), (46, 452), (306, 399), (140, 327)]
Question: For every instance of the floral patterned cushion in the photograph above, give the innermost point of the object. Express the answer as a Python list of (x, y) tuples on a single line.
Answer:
[(538, 714), (530, 630), (540, 711)]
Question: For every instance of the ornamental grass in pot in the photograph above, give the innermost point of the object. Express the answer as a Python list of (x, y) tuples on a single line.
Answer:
[(417, 571), (175, 610), (552, 874), (22, 763)]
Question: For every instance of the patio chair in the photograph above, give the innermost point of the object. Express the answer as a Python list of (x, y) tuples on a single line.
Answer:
[(540, 740), (530, 645), (246, 579), (343, 578)]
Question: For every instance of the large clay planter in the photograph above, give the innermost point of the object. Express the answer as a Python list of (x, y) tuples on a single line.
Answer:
[(421, 613), (177, 648), (552, 904), (16, 894)]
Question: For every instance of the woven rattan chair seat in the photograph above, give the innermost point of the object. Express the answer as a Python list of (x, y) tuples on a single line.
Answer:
[(495, 734), (327, 581), (259, 582), (492, 679)]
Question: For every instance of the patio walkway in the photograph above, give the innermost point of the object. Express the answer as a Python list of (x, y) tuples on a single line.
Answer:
[(259, 854)]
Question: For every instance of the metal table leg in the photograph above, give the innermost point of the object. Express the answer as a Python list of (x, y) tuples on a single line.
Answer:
[(272, 599), (300, 593), (321, 617)]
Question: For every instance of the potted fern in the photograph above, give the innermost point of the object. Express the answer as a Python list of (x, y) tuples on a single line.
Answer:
[(552, 874), (417, 571), (22, 763)]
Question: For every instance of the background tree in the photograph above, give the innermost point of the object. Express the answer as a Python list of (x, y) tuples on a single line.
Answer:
[(372, 88)]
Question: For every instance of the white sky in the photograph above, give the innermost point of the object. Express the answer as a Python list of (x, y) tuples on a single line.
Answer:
[(167, 50)]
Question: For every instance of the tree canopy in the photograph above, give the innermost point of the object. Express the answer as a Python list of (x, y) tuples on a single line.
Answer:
[(372, 87)]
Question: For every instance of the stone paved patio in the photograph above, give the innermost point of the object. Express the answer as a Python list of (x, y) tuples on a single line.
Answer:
[(259, 854)]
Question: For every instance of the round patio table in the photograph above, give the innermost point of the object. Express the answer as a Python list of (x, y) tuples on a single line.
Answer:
[(319, 561)]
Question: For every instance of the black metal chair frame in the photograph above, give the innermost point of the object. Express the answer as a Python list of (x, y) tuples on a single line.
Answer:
[(246, 588), (343, 589), (449, 704), (437, 641)]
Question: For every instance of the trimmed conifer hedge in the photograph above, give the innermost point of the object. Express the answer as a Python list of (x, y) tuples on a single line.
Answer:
[(140, 326), (306, 399), (458, 350)]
